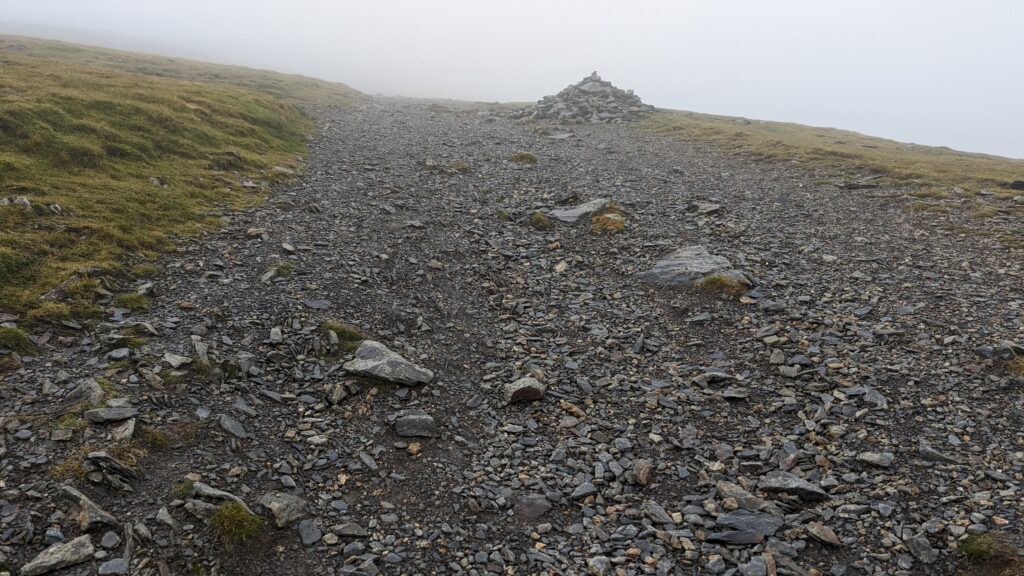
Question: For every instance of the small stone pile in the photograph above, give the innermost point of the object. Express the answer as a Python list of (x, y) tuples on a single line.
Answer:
[(590, 100)]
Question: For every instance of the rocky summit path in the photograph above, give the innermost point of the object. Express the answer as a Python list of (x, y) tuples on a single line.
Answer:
[(855, 412)]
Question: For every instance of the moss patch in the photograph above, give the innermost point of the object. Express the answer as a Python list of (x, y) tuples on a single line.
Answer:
[(14, 339), (721, 284), (232, 524)]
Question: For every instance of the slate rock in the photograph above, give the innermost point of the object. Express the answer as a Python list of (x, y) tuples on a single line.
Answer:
[(524, 390), (60, 556), (759, 522), (285, 508), (415, 423), (232, 426), (104, 415), (572, 215), (376, 360), (778, 481), (531, 506), (685, 266)]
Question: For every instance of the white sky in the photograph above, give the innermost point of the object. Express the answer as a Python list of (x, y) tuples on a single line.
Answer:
[(936, 72)]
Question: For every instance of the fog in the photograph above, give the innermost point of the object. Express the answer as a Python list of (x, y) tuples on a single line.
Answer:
[(927, 71)]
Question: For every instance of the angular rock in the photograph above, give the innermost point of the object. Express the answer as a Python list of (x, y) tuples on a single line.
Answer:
[(309, 532), (759, 522), (685, 266), (531, 506), (922, 549), (778, 481), (206, 491), (104, 415), (60, 556), (415, 423), (524, 390), (572, 215), (823, 533), (735, 537), (286, 508), (376, 360), (880, 459), (232, 426), (89, 514)]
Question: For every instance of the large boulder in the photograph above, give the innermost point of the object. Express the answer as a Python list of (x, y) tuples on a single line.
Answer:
[(376, 360)]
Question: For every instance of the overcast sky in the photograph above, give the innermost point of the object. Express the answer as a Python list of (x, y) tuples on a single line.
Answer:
[(928, 71)]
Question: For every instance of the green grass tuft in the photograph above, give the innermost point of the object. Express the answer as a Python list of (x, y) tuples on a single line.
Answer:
[(232, 524), (16, 340), (721, 284), (524, 158), (349, 336), (134, 302), (182, 490), (540, 221)]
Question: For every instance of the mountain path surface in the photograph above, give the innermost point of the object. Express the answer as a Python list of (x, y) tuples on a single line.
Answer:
[(858, 411)]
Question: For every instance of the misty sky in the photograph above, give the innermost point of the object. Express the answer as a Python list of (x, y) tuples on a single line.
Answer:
[(927, 71)]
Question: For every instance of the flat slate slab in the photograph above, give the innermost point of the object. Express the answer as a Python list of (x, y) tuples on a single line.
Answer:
[(572, 215), (686, 266), (376, 360)]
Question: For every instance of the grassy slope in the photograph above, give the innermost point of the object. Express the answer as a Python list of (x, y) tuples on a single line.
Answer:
[(299, 90), (844, 152), (78, 130)]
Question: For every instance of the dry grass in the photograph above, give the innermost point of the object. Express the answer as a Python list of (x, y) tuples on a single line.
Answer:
[(293, 88), (540, 221), (16, 340), (89, 139), (842, 151), (721, 284), (524, 158), (1016, 366), (349, 337), (990, 555), (609, 220), (232, 524)]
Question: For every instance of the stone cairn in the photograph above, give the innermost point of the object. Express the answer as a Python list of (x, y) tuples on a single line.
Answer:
[(590, 100)]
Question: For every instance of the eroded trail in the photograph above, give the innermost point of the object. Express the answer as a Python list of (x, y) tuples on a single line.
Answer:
[(854, 412)]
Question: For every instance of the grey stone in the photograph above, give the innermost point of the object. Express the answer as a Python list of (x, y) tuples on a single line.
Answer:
[(880, 459), (775, 482), (375, 360), (584, 490), (232, 426), (286, 508), (735, 537), (115, 567), (922, 549), (309, 532), (89, 514), (415, 423), (599, 566), (87, 391), (685, 266), (759, 522), (104, 415), (572, 215), (60, 556), (110, 539), (531, 506), (206, 491), (524, 390)]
